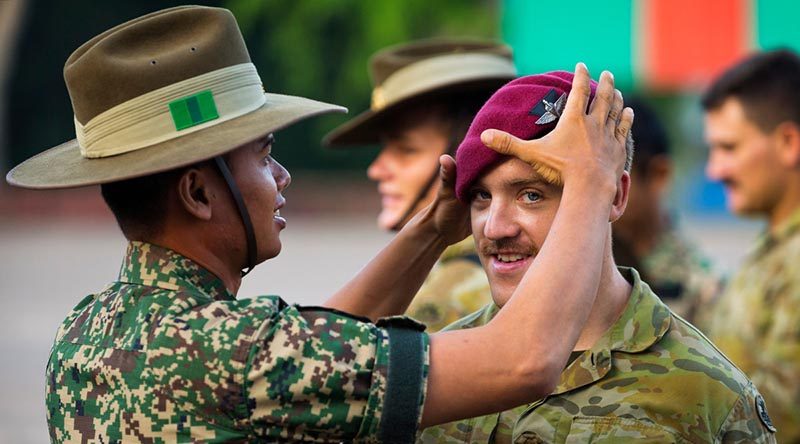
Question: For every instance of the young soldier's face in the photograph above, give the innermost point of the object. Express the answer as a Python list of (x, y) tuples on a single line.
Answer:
[(405, 165), (744, 159), (512, 209), (261, 180)]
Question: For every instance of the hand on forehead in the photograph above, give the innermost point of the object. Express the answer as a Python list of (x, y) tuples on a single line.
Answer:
[(527, 108)]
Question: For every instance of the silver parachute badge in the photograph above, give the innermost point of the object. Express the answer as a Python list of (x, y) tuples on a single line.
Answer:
[(553, 110)]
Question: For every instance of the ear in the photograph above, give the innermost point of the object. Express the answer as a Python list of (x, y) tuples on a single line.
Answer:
[(787, 136), (621, 198), (194, 193)]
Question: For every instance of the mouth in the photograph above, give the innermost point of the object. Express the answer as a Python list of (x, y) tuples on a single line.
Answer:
[(510, 263), (390, 200), (276, 213)]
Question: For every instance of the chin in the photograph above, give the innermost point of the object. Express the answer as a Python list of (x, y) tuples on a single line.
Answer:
[(501, 296), (387, 221)]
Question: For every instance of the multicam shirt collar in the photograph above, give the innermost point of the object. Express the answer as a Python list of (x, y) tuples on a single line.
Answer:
[(769, 239), (645, 320), (154, 266)]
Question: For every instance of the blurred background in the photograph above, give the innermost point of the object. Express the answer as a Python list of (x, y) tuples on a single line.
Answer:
[(56, 247)]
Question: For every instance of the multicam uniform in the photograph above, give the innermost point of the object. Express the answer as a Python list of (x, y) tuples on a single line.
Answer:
[(757, 323), (167, 354), (456, 287), (651, 377), (680, 276)]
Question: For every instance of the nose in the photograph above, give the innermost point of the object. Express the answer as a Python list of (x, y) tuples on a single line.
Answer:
[(715, 167), (281, 175), (379, 168), (500, 222)]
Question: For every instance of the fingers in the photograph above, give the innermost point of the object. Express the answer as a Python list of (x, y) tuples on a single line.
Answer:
[(447, 174), (579, 95), (625, 123), (604, 97), (615, 113), (505, 143)]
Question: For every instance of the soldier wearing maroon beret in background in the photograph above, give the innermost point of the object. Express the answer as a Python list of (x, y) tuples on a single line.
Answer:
[(638, 373)]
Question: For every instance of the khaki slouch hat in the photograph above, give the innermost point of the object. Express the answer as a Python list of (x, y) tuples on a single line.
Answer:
[(162, 91), (406, 73)]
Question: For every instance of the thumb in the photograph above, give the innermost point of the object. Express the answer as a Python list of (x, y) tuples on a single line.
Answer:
[(504, 143), (447, 173)]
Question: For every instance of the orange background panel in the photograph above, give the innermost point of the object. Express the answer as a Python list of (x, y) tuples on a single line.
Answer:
[(687, 42)]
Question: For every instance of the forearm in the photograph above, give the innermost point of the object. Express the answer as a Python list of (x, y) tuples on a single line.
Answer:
[(517, 357), (388, 283)]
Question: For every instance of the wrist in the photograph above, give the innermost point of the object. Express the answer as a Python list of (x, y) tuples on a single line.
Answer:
[(422, 229), (594, 187)]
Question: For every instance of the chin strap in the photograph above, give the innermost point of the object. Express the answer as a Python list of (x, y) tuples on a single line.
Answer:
[(250, 234), (455, 135)]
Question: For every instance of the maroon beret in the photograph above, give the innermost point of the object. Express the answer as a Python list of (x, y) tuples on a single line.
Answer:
[(527, 107)]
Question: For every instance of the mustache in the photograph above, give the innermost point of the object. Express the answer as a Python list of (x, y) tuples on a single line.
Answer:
[(492, 247)]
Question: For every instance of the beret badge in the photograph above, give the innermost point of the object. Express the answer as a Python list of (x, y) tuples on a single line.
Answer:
[(550, 108)]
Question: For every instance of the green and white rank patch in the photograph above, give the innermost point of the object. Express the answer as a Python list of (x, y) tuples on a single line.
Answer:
[(193, 110)]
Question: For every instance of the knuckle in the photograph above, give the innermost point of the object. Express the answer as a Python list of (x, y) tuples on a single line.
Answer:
[(582, 88)]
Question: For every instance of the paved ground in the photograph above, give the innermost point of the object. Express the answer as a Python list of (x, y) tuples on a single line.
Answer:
[(46, 268)]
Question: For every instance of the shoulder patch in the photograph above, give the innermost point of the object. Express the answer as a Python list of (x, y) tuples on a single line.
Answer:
[(761, 408)]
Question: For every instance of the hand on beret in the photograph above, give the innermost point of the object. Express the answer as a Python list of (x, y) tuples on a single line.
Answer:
[(580, 140)]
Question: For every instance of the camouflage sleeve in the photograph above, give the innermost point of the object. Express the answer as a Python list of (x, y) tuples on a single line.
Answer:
[(317, 374), (748, 421)]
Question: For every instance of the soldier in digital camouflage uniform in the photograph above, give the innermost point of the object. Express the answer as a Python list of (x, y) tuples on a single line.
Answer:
[(647, 237), (174, 124), (638, 372), (425, 95), (753, 131)]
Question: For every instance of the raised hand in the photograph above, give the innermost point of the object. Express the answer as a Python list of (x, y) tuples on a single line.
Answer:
[(582, 145), (448, 217)]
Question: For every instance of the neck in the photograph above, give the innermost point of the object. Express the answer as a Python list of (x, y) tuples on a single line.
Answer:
[(788, 204), (612, 298), (203, 255)]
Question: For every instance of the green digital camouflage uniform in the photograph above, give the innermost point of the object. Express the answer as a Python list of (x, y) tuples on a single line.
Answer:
[(166, 354), (757, 323), (456, 287), (680, 276), (652, 377)]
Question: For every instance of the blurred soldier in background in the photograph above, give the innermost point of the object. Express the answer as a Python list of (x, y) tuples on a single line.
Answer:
[(647, 238), (752, 125), (424, 98)]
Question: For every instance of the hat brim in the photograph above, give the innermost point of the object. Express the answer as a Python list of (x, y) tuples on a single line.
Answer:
[(366, 128), (64, 167)]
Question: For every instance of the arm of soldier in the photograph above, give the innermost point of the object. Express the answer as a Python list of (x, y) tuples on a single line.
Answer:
[(388, 283), (319, 375), (519, 355)]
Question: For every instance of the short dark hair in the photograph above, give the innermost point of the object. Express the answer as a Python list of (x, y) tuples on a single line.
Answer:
[(140, 204), (766, 83), (649, 136), (453, 109)]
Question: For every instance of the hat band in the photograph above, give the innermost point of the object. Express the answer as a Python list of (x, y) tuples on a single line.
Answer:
[(172, 111), (437, 72)]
